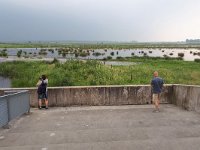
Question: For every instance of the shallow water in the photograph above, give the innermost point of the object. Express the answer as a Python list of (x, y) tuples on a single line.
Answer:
[(5, 82), (104, 53), (118, 63)]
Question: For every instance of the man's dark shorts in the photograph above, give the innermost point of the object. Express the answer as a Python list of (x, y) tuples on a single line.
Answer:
[(46, 95), (41, 96)]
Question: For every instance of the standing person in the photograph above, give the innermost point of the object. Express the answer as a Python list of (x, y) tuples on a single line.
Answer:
[(42, 91), (157, 85), (45, 79)]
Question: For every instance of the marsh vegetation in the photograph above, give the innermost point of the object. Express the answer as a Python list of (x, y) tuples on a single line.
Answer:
[(76, 73)]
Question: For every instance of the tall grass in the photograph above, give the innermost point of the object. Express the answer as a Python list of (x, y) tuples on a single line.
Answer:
[(78, 73)]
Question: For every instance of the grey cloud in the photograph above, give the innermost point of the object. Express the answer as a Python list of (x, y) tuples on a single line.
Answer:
[(117, 20)]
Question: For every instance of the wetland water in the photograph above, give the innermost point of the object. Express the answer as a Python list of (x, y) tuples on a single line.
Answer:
[(38, 53), (98, 54), (5, 82)]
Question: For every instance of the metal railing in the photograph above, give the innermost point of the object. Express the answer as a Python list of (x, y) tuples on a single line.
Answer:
[(12, 105)]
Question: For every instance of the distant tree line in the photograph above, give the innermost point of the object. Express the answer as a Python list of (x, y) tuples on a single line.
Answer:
[(192, 40)]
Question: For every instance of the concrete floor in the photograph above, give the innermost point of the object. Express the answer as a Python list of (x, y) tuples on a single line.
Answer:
[(104, 128)]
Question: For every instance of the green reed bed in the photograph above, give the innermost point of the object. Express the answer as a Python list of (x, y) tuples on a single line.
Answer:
[(79, 73)]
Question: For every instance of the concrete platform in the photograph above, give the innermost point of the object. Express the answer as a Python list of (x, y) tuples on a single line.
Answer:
[(104, 128)]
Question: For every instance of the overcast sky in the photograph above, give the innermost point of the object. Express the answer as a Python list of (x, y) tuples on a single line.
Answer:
[(99, 20)]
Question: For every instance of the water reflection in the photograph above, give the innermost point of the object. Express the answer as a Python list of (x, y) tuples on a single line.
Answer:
[(38, 53), (5, 82)]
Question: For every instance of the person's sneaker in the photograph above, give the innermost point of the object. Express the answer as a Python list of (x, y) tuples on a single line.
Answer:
[(40, 107), (46, 107), (156, 111)]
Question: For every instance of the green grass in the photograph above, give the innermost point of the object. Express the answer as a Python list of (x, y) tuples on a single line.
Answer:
[(79, 73)]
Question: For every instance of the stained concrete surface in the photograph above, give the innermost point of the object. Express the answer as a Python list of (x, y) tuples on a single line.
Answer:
[(133, 127), (110, 95)]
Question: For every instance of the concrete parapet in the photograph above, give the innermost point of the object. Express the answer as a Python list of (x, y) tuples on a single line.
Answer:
[(99, 95), (187, 97)]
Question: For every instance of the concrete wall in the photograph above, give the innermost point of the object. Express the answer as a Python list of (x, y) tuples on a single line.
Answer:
[(99, 95), (187, 97)]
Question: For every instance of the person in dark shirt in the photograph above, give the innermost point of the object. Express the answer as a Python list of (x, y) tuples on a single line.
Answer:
[(42, 91), (157, 85)]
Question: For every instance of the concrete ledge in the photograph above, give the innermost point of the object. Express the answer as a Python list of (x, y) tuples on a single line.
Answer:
[(98, 95), (187, 97)]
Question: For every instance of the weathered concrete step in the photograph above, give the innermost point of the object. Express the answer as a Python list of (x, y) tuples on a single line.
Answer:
[(122, 127), (104, 118), (68, 126), (154, 144), (100, 135)]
